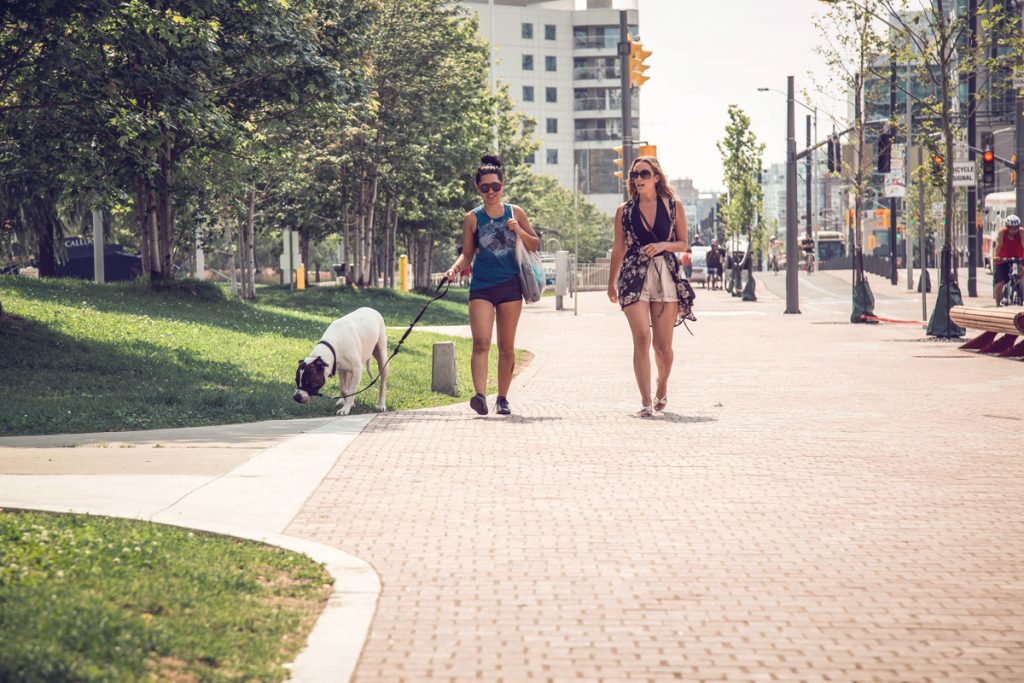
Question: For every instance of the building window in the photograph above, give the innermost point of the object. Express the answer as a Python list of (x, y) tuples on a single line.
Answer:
[(552, 125), (531, 158), (527, 93), (549, 31), (551, 94), (552, 156), (527, 62), (551, 63), (527, 30)]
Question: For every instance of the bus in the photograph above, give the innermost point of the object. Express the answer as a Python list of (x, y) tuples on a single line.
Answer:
[(830, 244), (998, 205)]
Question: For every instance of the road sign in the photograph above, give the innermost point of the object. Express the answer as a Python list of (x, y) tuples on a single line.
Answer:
[(937, 209), (895, 184), (963, 174), (960, 150)]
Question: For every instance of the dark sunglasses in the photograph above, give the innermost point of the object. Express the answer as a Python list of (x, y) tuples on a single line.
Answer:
[(643, 175), (493, 187)]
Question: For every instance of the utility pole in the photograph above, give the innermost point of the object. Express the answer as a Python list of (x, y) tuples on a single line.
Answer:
[(627, 102), (807, 180), (1020, 132), (893, 201), (792, 257), (972, 141)]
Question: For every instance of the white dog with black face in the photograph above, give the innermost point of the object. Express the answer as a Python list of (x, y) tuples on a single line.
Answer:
[(345, 347)]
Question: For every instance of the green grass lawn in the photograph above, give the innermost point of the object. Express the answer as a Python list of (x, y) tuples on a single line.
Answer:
[(81, 357), (99, 599)]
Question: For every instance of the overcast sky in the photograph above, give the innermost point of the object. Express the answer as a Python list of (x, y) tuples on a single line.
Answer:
[(709, 54)]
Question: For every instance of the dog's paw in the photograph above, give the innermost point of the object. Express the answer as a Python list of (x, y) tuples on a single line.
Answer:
[(381, 408), (344, 410)]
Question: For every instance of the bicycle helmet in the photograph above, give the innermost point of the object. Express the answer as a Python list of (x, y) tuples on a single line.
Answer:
[(1012, 221)]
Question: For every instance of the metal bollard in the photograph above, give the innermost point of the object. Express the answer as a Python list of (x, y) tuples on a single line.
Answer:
[(442, 370)]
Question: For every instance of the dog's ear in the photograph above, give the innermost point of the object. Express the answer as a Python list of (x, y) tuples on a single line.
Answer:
[(302, 364), (320, 361)]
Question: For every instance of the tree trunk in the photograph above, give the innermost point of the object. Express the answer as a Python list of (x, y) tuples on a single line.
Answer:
[(250, 237), (142, 220), (164, 215), (371, 249), (243, 249), (359, 276), (304, 251), (346, 244), (46, 212), (229, 246)]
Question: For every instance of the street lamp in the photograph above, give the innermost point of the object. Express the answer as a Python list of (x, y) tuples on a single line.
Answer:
[(810, 157)]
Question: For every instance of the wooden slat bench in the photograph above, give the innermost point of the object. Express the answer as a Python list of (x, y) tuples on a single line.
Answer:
[(1007, 321)]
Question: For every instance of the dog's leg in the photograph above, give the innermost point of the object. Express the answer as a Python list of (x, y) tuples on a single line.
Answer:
[(345, 388), (380, 353), (349, 387)]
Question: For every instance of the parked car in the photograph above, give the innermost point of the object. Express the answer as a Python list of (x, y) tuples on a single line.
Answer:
[(699, 259)]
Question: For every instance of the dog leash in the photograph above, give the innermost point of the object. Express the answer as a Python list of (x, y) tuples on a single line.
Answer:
[(446, 284)]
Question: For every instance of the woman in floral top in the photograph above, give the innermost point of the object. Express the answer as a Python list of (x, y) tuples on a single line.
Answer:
[(645, 279)]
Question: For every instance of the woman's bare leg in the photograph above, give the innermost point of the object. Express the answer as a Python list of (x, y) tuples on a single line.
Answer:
[(481, 323), (663, 319), (508, 320), (639, 317)]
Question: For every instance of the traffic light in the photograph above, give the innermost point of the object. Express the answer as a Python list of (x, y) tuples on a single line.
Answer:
[(988, 167), (648, 151), (618, 160), (938, 163), (834, 154), (637, 55), (884, 152)]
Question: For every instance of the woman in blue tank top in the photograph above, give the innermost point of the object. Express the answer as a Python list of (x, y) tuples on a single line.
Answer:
[(489, 234)]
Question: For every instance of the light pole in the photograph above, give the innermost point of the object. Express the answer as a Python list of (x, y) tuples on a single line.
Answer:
[(810, 157), (792, 283)]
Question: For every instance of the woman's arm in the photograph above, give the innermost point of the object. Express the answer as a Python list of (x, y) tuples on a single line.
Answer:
[(465, 259), (520, 224), (618, 250)]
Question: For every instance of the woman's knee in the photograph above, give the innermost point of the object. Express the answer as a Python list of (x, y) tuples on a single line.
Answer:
[(481, 345), (663, 350)]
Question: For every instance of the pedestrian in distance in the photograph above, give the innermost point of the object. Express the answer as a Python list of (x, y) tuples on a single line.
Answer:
[(686, 258), (645, 278), (714, 264), (489, 234), (773, 255)]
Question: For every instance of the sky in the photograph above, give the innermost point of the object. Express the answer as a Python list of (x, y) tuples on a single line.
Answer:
[(708, 54)]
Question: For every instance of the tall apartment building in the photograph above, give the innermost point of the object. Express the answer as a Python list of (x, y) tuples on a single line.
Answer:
[(562, 68)]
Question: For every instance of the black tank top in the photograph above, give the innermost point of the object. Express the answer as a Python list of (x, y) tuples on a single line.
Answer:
[(659, 232)]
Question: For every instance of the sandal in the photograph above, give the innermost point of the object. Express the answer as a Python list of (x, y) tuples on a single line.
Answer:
[(660, 402), (646, 411)]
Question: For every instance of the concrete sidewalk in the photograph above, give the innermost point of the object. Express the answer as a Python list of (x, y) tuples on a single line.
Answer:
[(820, 501)]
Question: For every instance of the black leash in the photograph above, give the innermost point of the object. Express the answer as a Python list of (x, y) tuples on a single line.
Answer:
[(444, 282)]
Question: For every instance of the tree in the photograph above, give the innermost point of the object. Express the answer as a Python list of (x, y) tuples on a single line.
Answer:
[(741, 167)]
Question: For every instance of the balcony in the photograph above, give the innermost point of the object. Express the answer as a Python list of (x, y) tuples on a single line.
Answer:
[(596, 134), (594, 73), (595, 43)]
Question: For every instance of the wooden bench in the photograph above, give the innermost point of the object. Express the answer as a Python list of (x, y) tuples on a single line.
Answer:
[(1007, 321)]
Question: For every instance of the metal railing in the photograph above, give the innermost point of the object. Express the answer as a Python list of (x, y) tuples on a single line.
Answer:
[(585, 134), (591, 277), (592, 73), (595, 43)]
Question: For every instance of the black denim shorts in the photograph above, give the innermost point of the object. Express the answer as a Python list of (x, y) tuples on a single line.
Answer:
[(510, 290)]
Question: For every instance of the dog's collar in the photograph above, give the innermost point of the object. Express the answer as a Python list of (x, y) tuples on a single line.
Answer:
[(334, 362)]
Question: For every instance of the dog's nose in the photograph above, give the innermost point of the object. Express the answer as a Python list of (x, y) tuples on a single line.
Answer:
[(301, 396)]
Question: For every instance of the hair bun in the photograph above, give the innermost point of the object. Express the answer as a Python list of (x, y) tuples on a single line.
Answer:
[(490, 160)]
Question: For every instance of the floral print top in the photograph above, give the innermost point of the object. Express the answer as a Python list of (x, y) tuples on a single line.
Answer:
[(634, 265)]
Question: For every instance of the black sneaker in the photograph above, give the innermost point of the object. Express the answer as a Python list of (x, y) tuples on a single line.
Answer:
[(479, 404), (501, 406)]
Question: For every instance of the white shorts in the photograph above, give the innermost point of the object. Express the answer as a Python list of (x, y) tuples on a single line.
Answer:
[(659, 285)]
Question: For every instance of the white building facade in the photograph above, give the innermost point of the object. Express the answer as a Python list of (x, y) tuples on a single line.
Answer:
[(562, 68)]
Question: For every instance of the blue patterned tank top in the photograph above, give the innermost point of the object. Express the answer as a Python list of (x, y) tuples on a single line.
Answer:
[(495, 262)]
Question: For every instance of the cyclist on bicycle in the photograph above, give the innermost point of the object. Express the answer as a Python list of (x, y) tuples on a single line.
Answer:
[(1009, 244), (807, 244)]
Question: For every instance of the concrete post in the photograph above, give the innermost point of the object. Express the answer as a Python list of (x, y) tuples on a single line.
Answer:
[(442, 372), (97, 246), (561, 277)]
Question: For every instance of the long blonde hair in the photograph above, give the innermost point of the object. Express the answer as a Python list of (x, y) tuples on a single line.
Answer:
[(662, 188)]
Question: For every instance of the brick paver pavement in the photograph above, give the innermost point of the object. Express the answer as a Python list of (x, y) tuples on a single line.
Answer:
[(820, 502)]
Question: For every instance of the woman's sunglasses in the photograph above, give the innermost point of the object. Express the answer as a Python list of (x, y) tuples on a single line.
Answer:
[(643, 175), (485, 188)]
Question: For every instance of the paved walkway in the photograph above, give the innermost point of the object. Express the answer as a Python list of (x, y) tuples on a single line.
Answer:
[(820, 502)]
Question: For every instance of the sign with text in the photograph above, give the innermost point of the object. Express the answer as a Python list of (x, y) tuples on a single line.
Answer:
[(895, 184), (963, 174)]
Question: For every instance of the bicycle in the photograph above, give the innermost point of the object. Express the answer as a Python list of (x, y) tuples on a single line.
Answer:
[(1013, 290), (810, 262)]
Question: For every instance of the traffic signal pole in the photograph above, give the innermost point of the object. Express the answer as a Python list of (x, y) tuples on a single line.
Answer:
[(893, 201), (972, 135), (808, 168), (627, 102), (792, 251)]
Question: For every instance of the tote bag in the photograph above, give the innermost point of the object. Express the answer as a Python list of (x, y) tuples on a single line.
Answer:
[(531, 272)]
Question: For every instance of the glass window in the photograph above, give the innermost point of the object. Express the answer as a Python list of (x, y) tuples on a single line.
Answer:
[(527, 62), (531, 158), (552, 125), (549, 31), (552, 156), (551, 63), (527, 30), (527, 93), (551, 94)]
